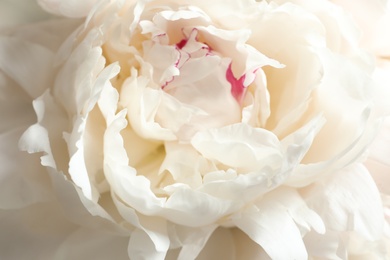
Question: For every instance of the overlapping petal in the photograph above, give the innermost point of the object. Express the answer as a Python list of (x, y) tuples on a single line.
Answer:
[(169, 128)]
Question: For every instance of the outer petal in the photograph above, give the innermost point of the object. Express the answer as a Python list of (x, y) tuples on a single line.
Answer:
[(45, 136), (231, 244), (344, 207), (149, 239), (373, 18), (76, 139), (270, 224), (73, 88)]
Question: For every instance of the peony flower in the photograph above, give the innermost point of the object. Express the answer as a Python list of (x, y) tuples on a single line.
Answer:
[(167, 129)]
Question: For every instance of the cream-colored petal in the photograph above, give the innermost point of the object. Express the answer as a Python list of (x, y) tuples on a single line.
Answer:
[(270, 225)]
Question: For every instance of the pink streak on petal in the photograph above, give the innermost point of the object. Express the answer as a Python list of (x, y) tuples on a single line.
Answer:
[(182, 43), (237, 85)]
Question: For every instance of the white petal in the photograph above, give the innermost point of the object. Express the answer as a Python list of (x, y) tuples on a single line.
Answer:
[(231, 244), (191, 240), (211, 94), (289, 87), (372, 17), (121, 176), (75, 140), (202, 210), (242, 188), (140, 247), (184, 115), (380, 148), (306, 173), (184, 164), (150, 238), (73, 87), (163, 59), (239, 145), (349, 201), (257, 111), (344, 100), (326, 246), (77, 166), (45, 136), (271, 226), (142, 103)]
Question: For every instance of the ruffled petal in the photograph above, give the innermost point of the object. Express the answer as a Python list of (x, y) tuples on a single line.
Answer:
[(142, 104), (121, 176), (46, 137), (74, 88), (75, 140), (257, 147)]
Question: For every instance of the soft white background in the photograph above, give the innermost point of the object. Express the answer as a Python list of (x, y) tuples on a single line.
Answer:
[(14, 12)]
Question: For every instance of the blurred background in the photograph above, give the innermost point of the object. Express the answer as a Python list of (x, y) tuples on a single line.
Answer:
[(13, 12)]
